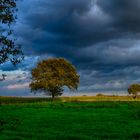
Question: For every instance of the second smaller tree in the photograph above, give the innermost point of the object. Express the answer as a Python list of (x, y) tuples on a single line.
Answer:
[(133, 90)]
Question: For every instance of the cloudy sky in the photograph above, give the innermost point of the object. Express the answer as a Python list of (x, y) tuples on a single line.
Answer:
[(100, 37)]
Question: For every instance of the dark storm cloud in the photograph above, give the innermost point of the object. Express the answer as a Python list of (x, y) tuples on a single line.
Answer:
[(56, 26), (101, 37), (81, 23), (75, 23)]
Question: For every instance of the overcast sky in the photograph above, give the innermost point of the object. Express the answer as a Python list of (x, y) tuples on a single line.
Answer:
[(100, 37)]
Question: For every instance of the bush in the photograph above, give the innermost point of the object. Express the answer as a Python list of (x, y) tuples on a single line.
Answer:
[(99, 94)]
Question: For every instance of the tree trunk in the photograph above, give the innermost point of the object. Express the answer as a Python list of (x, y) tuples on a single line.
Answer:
[(53, 96), (134, 96)]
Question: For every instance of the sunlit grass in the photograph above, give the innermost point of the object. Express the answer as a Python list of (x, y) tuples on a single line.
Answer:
[(10, 100)]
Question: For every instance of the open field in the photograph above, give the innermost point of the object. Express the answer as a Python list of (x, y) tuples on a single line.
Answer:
[(70, 120), (10, 100)]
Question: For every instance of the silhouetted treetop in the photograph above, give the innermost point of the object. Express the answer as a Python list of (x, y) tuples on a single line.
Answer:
[(9, 50)]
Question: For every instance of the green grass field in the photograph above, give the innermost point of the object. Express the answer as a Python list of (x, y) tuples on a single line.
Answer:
[(70, 121)]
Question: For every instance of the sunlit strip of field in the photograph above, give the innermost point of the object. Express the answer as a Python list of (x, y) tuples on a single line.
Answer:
[(9, 100)]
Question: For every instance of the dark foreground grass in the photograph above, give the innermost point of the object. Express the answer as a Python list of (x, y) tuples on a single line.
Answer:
[(70, 121)]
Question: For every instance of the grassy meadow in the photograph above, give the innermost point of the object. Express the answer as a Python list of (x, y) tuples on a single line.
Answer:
[(70, 118)]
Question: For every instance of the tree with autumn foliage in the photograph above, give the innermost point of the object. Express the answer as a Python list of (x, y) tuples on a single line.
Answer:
[(9, 50), (52, 75), (133, 90)]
